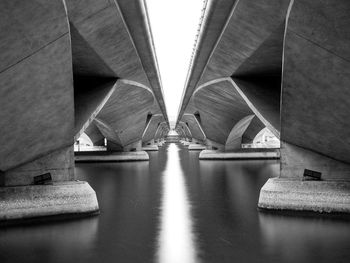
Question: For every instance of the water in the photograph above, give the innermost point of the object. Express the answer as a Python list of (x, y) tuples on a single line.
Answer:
[(178, 209)]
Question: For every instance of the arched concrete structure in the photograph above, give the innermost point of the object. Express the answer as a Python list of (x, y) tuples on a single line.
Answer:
[(194, 126), (125, 114), (186, 131), (221, 108), (288, 60), (234, 140), (151, 129), (63, 63), (95, 135)]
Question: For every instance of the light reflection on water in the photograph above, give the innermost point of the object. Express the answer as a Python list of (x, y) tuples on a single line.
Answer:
[(176, 208), (176, 238)]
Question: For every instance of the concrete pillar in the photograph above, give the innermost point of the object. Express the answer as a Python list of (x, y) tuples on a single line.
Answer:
[(37, 115), (315, 163)]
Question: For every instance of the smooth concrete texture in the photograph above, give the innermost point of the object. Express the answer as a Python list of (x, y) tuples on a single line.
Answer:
[(245, 47), (220, 107), (317, 196), (290, 66), (135, 15), (60, 198), (95, 135), (214, 17), (60, 165), (123, 118), (36, 81), (294, 160), (196, 147), (150, 148), (107, 156), (251, 154), (113, 39), (89, 103), (162, 131), (184, 129), (194, 126), (316, 66), (152, 127), (234, 140)]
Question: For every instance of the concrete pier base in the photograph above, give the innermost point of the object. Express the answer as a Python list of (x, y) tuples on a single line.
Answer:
[(60, 198), (294, 194), (186, 143), (150, 148), (111, 156), (241, 155), (196, 147)]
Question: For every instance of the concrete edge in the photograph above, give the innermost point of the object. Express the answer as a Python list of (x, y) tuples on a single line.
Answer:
[(217, 155), (35, 201), (315, 196), (113, 157), (150, 148), (196, 147)]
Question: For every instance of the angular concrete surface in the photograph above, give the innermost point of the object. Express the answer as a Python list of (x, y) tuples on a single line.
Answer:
[(288, 63)]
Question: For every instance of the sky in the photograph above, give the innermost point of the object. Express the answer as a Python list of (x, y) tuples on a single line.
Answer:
[(174, 25)]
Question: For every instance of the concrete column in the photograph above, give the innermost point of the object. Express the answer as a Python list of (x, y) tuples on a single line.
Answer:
[(37, 114), (315, 163)]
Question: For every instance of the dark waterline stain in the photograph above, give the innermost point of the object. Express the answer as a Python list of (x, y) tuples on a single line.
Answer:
[(180, 209)]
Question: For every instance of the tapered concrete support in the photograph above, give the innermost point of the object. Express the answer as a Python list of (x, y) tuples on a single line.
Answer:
[(37, 114)]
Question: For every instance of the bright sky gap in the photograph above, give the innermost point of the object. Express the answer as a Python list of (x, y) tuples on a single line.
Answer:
[(174, 26)]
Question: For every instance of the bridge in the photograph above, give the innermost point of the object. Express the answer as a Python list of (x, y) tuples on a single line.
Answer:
[(283, 65), (69, 67), (75, 67)]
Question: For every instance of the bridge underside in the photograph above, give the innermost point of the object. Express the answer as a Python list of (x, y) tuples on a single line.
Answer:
[(69, 67), (283, 65)]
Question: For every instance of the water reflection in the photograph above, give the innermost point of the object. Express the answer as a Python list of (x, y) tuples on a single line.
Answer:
[(176, 208), (305, 237), (176, 238)]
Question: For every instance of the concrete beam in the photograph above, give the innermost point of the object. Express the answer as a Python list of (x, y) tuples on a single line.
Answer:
[(151, 129), (194, 126), (221, 107)]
